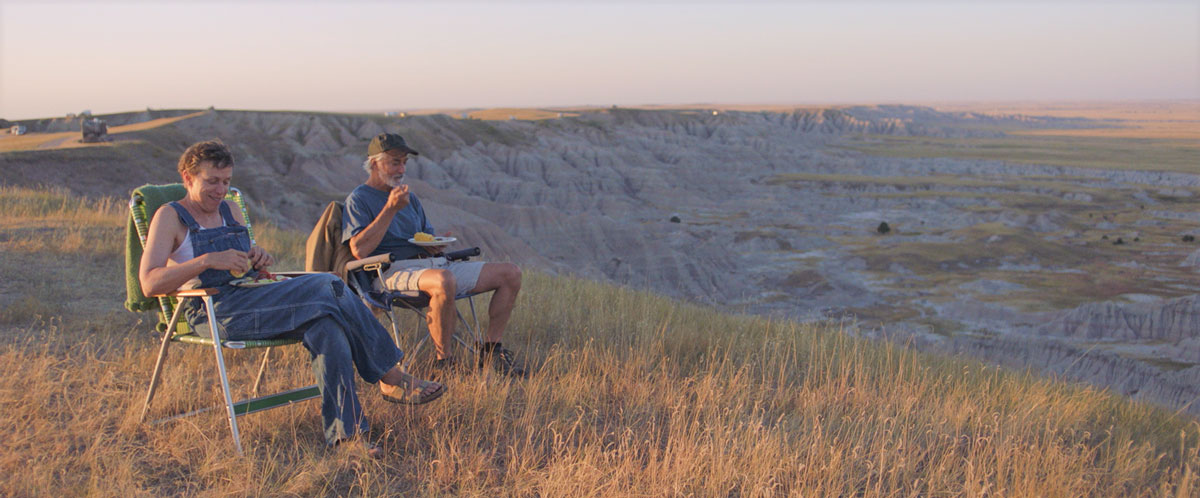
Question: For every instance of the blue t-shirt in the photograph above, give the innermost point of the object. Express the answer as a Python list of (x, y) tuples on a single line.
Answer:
[(366, 202)]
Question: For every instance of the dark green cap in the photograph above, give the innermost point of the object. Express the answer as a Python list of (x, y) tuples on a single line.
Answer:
[(384, 142)]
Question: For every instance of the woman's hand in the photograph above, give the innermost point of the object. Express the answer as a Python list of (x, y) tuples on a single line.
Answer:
[(259, 258), (233, 260)]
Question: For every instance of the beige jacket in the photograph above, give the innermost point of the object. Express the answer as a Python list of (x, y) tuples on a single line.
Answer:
[(324, 250)]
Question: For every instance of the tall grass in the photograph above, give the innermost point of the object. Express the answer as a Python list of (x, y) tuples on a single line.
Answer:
[(631, 394), (22, 204)]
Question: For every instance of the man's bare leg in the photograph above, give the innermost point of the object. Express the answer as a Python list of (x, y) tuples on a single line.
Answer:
[(505, 280), (440, 286)]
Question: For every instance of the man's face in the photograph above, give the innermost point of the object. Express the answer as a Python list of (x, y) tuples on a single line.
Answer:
[(391, 167)]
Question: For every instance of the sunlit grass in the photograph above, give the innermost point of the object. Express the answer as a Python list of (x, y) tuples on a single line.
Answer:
[(56, 204)]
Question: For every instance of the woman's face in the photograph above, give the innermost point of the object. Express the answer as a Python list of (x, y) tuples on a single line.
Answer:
[(207, 188)]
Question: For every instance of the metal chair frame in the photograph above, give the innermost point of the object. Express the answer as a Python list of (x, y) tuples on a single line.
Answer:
[(362, 273)]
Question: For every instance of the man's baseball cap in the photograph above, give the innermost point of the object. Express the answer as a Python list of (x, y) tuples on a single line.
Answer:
[(384, 142)]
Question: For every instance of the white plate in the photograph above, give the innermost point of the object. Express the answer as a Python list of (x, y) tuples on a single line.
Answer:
[(242, 282), (437, 241)]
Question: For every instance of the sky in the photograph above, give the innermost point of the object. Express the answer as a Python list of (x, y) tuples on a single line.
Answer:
[(61, 57)]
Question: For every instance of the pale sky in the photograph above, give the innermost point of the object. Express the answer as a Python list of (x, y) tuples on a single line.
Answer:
[(62, 57)]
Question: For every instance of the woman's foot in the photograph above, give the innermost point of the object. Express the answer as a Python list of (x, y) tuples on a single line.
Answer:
[(400, 387)]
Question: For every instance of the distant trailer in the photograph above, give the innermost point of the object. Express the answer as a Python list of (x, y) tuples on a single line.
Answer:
[(17, 130)]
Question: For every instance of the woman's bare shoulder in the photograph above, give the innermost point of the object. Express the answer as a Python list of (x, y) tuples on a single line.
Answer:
[(167, 218)]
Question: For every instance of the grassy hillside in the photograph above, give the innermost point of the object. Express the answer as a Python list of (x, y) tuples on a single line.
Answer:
[(633, 394)]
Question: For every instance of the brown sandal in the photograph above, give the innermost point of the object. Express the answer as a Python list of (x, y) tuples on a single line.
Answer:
[(418, 391)]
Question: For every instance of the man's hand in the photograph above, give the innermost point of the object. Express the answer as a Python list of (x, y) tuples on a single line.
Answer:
[(232, 260), (397, 199), (259, 258), (435, 250)]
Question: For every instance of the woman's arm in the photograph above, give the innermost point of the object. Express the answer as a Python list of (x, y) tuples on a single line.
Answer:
[(156, 276)]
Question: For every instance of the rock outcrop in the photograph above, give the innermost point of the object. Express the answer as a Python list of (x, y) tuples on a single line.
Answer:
[(1169, 320)]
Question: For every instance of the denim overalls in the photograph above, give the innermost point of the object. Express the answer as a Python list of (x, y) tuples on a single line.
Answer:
[(335, 326)]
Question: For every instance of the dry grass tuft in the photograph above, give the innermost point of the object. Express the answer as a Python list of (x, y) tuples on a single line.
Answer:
[(632, 394)]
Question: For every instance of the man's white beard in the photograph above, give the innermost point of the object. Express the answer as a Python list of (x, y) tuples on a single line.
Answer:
[(395, 181)]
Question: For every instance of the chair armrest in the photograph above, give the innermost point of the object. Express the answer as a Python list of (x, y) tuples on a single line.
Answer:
[(359, 263), (462, 254), (189, 293)]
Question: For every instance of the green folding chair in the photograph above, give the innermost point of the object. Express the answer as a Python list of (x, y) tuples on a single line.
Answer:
[(143, 203)]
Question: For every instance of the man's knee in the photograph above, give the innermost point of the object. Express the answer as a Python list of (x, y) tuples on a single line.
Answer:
[(438, 283), (510, 274)]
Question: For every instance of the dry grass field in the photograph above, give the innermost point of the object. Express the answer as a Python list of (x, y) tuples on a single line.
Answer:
[(632, 395)]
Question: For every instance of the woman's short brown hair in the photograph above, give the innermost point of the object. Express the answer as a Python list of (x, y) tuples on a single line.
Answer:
[(212, 151)]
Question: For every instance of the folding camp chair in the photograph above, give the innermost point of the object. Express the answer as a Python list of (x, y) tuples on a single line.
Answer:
[(142, 204), (362, 276)]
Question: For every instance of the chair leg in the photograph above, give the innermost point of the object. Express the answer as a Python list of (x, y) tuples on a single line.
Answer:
[(475, 317), (412, 354), (476, 336), (261, 370), (158, 364), (395, 329), (154, 378), (216, 335), (470, 333)]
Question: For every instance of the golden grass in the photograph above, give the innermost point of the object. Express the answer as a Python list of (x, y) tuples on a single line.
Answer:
[(34, 140), (632, 394), (153, 123)]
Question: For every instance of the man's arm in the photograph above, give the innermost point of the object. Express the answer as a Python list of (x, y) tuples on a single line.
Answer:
[(365, 241)]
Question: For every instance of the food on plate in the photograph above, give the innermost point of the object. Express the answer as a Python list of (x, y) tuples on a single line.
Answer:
[(422, 237), (264, 277)]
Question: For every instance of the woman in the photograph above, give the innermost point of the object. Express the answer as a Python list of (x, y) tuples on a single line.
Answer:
[(201, 241)]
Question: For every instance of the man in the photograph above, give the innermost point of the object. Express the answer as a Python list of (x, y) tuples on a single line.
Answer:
[(381, 215)]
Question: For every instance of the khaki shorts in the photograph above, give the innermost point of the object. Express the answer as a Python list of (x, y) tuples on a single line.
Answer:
[(404, 274)]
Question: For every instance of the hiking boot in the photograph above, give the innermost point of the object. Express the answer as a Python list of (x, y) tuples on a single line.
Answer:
[(502, 360)]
